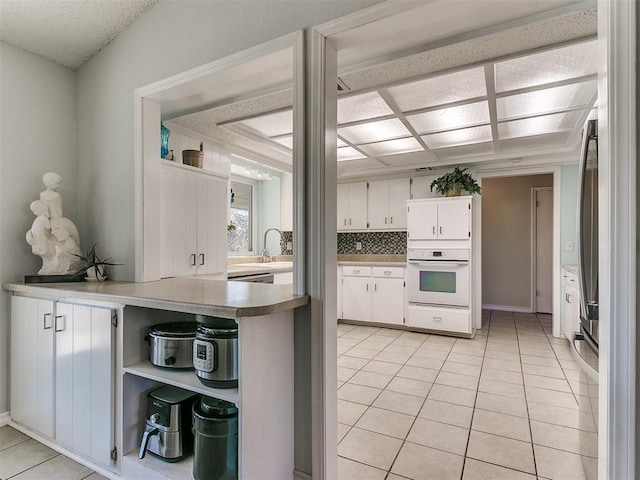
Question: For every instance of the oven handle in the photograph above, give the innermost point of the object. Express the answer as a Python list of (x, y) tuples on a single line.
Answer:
[(438, 262)]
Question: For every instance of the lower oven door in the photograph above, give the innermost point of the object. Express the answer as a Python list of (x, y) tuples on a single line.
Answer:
[(438, 283)]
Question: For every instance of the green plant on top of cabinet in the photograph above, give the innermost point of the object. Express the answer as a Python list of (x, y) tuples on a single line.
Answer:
[(352, 206), (387, 204)]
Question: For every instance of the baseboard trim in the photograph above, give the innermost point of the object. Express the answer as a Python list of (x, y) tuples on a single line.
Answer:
[(4, 418), (506, 308), (298, 475)]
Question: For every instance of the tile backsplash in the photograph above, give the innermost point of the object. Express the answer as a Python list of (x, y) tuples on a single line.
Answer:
[(373, 243), (286, 238)]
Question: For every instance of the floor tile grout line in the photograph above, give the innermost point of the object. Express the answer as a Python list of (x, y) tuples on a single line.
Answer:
[(33, 466), (15, 444), (526, 403)]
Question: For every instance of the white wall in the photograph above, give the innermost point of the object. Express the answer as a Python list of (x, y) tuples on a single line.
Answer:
[(269, 214), (170, 38), (568, 209), (37, 125)]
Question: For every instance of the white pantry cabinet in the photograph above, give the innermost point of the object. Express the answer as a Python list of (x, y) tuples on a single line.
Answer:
[(372, 294), (387, 204), (352, 206), (75, 406), (439, 219), (194, 218)]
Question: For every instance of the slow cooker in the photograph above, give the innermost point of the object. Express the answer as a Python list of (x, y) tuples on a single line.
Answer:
[(171, 344), (215, 352)]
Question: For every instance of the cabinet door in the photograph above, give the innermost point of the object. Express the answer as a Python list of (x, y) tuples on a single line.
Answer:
[(32, 367), (84, 380), (356, 298), (343, 206), (167, 222), (422, 219), (211, 225), (184, 221), (399, 193), (358, 206), (388, 301), (453, 220), (378, 205)]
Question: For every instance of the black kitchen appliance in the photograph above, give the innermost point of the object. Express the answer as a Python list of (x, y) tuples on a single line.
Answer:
[(215, 426), (168, 434), (215, 352)]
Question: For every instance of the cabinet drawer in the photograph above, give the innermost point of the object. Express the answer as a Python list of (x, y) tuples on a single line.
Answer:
[(351, 271), (445, 319), (388, 272)]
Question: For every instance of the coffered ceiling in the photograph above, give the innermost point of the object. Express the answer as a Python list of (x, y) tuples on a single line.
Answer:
[(523, 91)]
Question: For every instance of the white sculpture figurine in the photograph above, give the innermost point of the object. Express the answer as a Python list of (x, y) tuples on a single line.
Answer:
[(53, 237)]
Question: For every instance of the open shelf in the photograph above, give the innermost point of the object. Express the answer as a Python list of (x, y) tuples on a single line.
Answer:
[(186, 379), (150, 467)]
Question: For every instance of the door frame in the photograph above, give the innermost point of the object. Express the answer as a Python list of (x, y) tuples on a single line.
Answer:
[(534, 248), (618, 129)]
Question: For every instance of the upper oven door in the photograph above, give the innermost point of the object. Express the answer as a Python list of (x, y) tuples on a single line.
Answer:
[(438, 282)]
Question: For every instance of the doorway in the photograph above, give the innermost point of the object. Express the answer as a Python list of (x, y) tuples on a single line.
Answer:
[(542, 249)]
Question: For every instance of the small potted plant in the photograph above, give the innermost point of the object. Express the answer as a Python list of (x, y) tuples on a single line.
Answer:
[(93, 267), (452, 183)]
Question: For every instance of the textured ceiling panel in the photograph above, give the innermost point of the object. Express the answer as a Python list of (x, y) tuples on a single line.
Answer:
[(67, 32), (464, 151), (374, 131), (361, 107), (463, 136), (555, 139), (538, 125), (546, 67), (450, 118), (360, 164), (547, 100), (272, 124), (349, 153), (392, 147), (448, 88), (564, 28)]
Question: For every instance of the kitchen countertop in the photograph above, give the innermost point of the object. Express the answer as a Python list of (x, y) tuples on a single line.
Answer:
[(187, 294), (241, 269)]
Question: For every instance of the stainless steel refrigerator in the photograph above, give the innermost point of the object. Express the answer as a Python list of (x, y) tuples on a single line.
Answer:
[(585, 342)]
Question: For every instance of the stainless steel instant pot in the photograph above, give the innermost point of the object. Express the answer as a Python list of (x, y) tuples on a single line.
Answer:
[(215, 352), (171, 344)]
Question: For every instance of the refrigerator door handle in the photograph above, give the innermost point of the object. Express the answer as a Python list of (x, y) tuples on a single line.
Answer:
[(584, 366)]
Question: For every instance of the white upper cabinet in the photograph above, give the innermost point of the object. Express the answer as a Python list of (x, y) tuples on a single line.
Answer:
[(387, 204), (439, 219), (194, 219), (352, 206)]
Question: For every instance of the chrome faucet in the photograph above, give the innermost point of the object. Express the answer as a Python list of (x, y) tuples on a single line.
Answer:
[(265, 254)]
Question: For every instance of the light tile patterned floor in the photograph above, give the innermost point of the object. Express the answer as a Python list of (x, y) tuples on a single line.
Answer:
[(503, 405), (22, 458)]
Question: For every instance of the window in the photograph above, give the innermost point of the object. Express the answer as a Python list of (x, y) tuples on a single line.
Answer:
[(240, 236)]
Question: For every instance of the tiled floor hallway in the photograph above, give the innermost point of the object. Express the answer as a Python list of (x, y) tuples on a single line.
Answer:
[(500, 406)]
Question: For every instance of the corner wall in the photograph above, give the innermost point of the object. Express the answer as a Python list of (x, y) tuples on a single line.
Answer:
[(37, 125)]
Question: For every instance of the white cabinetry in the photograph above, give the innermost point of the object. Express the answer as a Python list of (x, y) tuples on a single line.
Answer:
[(32, 364), (439, 219), (570, 303), (194, 219), (352, 206), (455, 320), (75, 342), (373, 294), (387, 204)]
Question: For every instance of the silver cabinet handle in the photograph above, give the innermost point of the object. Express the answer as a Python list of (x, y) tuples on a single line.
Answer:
[(437, 319), (44, 321), (345, 221), (349, 221), (193, 259), (440, 230), (202, 259), (434, 229), (367, 287), (64, 324), (385, 220), (375, 287), (391, 220)]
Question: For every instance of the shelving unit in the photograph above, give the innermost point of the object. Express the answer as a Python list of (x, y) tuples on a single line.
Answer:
[(150, 466)]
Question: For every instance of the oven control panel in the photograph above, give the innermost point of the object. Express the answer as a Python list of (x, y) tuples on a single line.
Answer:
[(447, 254)]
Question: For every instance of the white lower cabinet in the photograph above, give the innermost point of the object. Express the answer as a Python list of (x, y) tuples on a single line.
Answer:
[(570, 303), (32, 364), (456, 320), (62, 356), (373, 294)]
